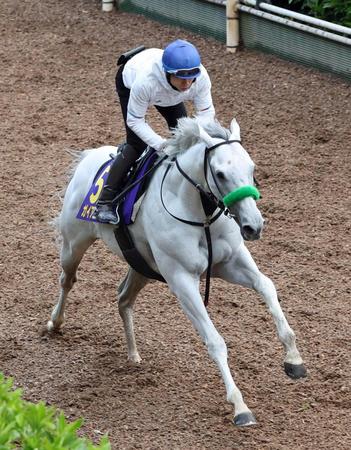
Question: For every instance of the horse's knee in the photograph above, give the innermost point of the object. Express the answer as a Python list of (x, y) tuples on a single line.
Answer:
[(263, 285), (217, 348)]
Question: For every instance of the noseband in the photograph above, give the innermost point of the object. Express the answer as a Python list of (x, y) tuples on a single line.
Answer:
[(239, 193)]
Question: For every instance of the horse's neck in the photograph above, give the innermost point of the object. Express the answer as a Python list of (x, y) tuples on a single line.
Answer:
[(191, 162)]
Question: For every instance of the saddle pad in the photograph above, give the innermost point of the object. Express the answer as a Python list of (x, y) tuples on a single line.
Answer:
[(130, 205), (133, 198)]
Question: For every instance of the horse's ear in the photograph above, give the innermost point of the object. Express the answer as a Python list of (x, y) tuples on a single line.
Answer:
[(235, 130), (204, 136)]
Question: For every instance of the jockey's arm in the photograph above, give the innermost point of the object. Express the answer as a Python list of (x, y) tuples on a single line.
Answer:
[(137, 108), (206, 113), (203, 98)]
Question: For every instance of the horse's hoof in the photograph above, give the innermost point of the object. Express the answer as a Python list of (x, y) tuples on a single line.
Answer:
[(245, 419), (134, 359), (51, 327), (295, 371)]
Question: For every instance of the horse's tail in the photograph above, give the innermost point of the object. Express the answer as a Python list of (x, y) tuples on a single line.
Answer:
[(77, 157), (55, 223)]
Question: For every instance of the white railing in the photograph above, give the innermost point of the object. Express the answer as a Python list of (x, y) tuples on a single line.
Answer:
[(300, 17), (284, 17)]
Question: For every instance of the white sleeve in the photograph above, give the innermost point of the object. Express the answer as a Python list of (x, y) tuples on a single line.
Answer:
[(137, 108), (203, 98)]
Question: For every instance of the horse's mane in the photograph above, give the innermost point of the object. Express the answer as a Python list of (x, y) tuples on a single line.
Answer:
[(187, 133)]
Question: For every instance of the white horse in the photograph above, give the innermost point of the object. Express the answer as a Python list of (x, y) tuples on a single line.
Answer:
[(212, 158)]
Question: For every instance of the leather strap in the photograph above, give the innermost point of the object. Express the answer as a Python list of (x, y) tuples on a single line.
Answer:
[(132, 254)]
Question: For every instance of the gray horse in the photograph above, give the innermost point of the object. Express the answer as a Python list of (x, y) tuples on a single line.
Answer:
[(212, 159)]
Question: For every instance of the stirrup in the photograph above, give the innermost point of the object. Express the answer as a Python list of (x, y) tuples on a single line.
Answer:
[(107, 214)]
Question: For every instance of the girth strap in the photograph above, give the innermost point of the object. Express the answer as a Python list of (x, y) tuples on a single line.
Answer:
[(132, 255)]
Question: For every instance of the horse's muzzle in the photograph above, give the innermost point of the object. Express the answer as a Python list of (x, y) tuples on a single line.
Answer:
[(251, 234)]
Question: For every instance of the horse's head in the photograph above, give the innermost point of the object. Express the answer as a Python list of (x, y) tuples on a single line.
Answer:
[(230, 176)]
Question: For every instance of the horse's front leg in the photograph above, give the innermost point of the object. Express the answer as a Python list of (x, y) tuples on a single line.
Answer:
[(241, 269), (186, 287)]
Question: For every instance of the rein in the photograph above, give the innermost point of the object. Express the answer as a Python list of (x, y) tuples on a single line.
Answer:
[(206, 199), (121, 194), (203, 194)]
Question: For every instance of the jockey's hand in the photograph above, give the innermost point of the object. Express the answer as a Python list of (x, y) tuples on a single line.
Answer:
[(162, 146)]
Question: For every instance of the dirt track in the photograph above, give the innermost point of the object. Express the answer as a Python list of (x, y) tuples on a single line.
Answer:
[(57, 92)]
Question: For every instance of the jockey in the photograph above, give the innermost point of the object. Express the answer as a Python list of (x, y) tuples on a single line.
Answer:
[(153, 77)]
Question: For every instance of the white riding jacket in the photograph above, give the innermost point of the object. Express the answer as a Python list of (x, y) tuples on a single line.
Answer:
[(146, 79)]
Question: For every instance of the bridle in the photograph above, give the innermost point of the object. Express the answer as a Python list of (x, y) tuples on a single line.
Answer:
[(207, 163), (210, 202), (206, 194)]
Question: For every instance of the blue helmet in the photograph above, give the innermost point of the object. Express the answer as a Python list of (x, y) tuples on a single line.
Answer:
[(181, 59)]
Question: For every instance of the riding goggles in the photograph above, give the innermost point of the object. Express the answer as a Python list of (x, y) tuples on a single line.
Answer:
[(194, 72)]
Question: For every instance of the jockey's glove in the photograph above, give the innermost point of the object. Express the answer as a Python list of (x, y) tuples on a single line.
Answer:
[(161, 148)]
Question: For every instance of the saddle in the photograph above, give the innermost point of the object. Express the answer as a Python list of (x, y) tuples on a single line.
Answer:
[(135, 186)]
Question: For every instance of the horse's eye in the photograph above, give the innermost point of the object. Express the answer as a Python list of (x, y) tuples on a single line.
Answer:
[(220, 175)]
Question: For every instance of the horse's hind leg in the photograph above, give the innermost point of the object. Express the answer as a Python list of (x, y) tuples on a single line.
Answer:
[(71, 256), (127, 293), (243, 270)]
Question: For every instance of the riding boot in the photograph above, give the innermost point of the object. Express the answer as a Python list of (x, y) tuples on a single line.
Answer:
[(106, 209)]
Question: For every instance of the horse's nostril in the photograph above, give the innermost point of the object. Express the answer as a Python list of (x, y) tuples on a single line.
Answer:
[(220, 175), (249, 233), (248, 230)]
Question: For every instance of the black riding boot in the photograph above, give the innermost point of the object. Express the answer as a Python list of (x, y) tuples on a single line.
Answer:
[(105, 207)]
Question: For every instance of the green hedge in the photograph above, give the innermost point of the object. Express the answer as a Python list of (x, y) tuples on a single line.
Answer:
[(335, 11), (36, 426)]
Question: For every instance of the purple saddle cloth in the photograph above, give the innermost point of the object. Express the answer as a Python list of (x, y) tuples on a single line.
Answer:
[(126, 208)]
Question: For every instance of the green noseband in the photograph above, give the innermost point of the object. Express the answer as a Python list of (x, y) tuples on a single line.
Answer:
[(240, 193)]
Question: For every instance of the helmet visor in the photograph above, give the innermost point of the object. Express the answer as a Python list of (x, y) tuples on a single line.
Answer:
[(186, 73)]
